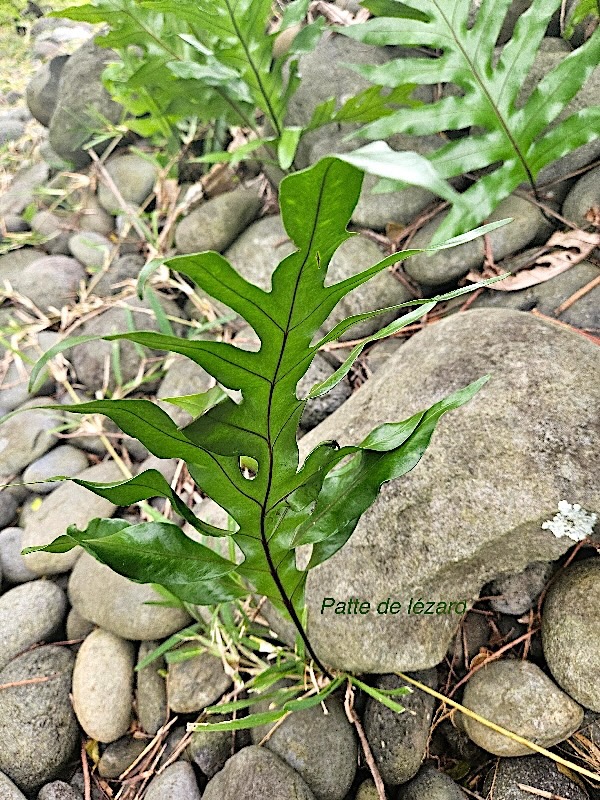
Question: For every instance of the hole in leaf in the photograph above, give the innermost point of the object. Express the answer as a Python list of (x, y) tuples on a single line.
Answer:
[(248, 467)]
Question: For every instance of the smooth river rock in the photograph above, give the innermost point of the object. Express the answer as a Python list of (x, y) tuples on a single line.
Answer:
[(69, 504), (322, 748), (102, 685), (119, 605), (29, 613), (571, 631), (39, 732), (473, 508), (518, 696), (263, 776), (195, 683)]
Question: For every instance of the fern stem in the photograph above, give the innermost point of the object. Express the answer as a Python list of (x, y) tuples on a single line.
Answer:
[(287, 602), (270, 109)]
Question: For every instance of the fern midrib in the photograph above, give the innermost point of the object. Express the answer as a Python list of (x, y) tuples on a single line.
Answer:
[(254, 69), (273, 569), (504, 125)]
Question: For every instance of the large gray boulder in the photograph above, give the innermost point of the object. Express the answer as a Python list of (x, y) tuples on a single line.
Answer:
[(473, 508), (81, 100)]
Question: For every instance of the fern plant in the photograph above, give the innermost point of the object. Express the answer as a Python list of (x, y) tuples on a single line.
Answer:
[(212, 60), (515, 140), (244, 455)]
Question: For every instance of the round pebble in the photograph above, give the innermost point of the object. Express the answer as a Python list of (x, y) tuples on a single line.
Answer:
[(571, 631), (102, 685), (30, 613)]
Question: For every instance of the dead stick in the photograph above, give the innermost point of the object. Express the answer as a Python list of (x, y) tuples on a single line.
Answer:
[(27, 681), (577, 295), (353, 718), (540, 792), (87, 789)]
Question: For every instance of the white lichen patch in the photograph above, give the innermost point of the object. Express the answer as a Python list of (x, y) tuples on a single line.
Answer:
[(572, 521)]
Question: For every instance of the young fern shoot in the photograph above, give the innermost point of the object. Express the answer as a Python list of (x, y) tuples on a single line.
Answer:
[(283, 504)]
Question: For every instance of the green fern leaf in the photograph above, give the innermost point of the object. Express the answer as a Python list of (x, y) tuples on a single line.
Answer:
[(518, 138), (278, 504)]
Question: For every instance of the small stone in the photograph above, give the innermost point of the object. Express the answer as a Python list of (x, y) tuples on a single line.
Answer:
[(173, 743), (262, 774), (91, 216), (42, 89), (13, 262), (444, 266), (570, 627), (77, 626), (8, 791), (195, 683), (367, 791), (518, 696), (8, 508), (125, 268), (91, 249), (64, 460), (80, 100), (259, 249), (51, 281), (10, 130), (209, 750), (58, 790), (134, 177), (21, 191), (151, 695), (30, 613), (536, 771), (166, 466), (15, 223), (120, 755), (548, 296), (518, 592), (321, 747), (399, 741), (215, 224), (55, 229), (39, 732), (120, 605), (583, 197), (177, 781), (432, 785), (102, 685), (12, 563), (21, 443), (69, 504)]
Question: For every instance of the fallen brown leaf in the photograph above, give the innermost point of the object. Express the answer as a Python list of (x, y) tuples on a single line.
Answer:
[(562, 251)]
